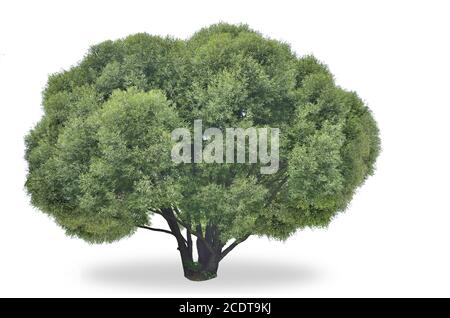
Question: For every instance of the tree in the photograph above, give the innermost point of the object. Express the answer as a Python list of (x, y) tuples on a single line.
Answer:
[(100, 164)]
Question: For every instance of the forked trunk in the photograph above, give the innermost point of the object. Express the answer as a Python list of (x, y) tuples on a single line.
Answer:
[(197, 271), (207, 265), (209, 248)]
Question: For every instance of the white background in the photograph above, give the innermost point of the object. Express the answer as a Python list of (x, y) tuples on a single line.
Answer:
[(392, 241)]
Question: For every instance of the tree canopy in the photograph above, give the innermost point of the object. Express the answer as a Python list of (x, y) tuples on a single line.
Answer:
[(99, 159)]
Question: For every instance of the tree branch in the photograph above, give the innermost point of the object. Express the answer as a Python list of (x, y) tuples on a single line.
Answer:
[(200, 237), (174, 218), (233, 245), (173, 223), (154, 229), (189, 239)]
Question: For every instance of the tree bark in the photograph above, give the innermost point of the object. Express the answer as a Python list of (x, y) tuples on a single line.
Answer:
[(184, 246), (208, 256), (202, 270), (209, 247)]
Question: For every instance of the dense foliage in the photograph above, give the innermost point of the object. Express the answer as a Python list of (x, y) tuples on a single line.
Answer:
[(99, 160)]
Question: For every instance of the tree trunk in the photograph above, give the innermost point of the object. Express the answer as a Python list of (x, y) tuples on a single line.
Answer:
[(206, 267), (209, 247), (184, 246)]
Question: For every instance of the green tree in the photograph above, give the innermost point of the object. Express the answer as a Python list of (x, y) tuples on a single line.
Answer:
[(99, 160)]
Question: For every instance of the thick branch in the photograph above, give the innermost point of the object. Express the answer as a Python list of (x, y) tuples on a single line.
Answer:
[(172, 216), (200, 237), (189, 240), (173, 225), (233, 245)]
